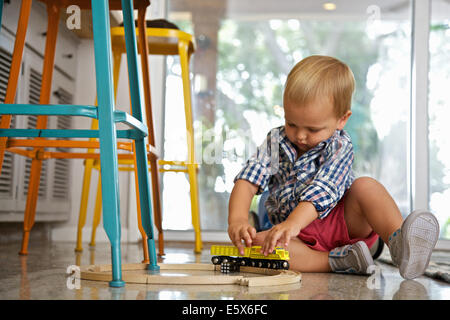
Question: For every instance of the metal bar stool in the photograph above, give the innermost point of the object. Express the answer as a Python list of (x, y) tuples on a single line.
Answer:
[(105, 113), (160, 42), (94, 163)]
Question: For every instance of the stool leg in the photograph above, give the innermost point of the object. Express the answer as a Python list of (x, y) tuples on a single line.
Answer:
[(16, 63), (157, 203), (141, 150), (192, 171), (156, 193), (183, 48), (1, 13), (36, 164), (94, 126), (139, 217), (30, 207), (97, 210), (117, 57), (107, 135), (84, 202), (88, 167)]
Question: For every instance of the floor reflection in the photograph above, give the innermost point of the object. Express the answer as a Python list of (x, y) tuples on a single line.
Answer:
[(43, 274), (411, 290), (24, 283)]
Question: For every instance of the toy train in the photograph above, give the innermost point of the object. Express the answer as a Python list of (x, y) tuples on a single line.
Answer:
[(230, 260)]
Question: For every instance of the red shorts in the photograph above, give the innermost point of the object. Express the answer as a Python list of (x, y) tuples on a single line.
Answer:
[(331, 232)]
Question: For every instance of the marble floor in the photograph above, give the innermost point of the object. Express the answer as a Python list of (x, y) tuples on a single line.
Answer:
[(42, 275)]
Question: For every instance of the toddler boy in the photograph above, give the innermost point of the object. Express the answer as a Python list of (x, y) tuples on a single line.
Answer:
[(325, 217)]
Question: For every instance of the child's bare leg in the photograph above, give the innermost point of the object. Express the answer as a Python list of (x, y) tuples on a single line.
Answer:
[(368, 206), (302, 257), (411, 242), (305, 259)]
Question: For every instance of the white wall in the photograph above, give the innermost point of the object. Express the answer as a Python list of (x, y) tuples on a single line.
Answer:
[(86, 94)]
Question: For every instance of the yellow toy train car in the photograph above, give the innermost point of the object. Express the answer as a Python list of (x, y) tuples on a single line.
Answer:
[(230, 259)]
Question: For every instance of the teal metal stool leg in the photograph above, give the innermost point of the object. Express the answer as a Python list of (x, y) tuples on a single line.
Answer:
[(141, 150), (107, 135), (1, 13)]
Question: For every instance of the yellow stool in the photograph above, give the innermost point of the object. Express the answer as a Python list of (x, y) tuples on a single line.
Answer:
[(160, 42)]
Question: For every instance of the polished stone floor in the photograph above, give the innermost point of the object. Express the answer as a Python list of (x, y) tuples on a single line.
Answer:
[(42, 275)]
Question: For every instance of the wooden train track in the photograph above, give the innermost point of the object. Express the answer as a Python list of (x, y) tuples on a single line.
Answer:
[(131, 274)]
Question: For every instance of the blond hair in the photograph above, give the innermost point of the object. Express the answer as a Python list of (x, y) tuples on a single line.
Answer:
[(320, 77)]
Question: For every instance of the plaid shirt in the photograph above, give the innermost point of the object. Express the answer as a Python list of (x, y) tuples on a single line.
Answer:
[(321, 175)]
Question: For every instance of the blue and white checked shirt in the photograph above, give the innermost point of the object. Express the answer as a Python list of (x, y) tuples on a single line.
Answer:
[(321, 175)]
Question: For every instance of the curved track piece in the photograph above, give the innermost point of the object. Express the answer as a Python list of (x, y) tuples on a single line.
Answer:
[(131, 274)]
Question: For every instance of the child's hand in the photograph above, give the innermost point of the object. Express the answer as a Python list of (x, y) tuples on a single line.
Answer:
[(241, 231), (279, 236)]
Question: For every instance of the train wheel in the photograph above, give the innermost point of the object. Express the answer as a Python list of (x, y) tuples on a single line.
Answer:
[(285, 265), (216, 260)]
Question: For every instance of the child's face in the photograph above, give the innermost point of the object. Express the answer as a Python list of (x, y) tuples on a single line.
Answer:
[(308, 125)]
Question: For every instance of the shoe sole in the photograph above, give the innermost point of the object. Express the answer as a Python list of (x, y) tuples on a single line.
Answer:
[(420, 232)]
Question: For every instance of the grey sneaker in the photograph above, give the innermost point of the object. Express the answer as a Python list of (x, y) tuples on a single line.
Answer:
[(411, 245), (354, 258)]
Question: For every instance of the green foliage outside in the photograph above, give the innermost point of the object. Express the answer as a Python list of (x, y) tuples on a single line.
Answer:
[(254, 59)]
